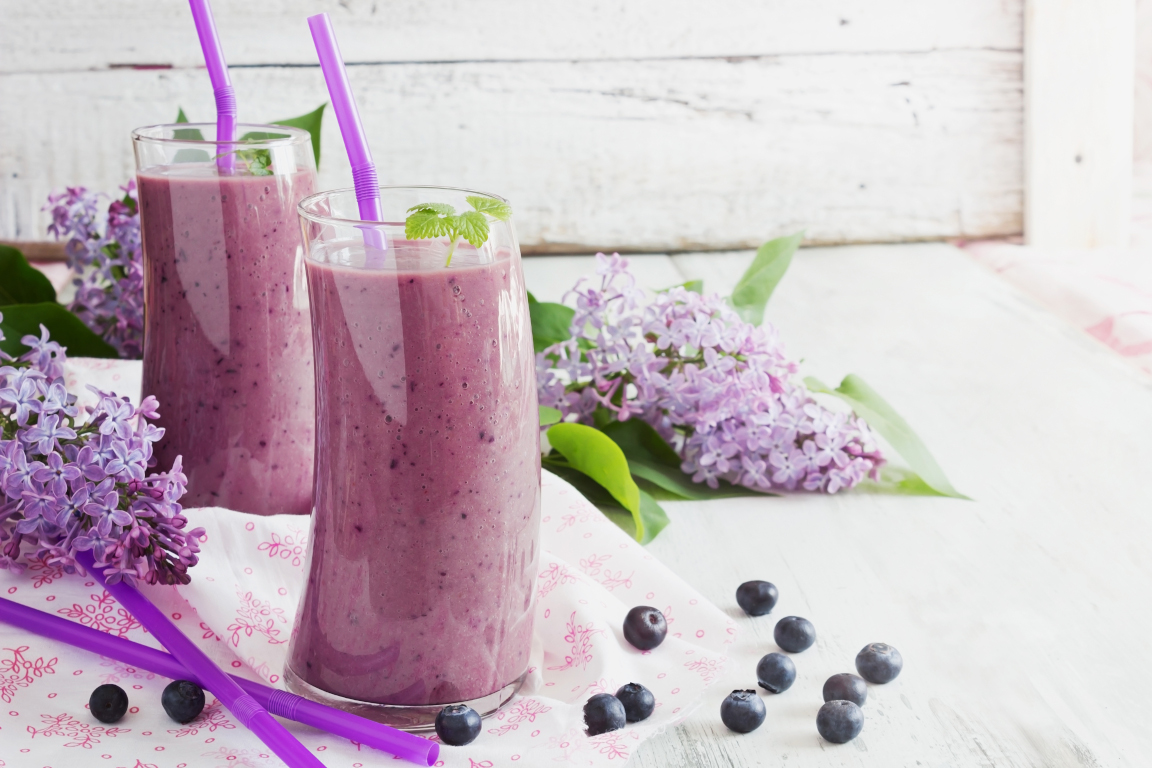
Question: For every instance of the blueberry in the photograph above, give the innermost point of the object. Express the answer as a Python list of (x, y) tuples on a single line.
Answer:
[(457, 725), (602, 713), (644, 627), (776, 673), (840, 721), (846, 687), (638, 701), (183, 700), (742, 711), (794, 634), (108, 703), (879, 663), (757, 597)]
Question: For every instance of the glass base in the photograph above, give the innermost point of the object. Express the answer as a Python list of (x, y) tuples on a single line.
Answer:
[(405, 717)]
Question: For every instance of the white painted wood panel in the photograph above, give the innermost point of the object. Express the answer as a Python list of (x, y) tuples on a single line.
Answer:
[(661, 154), (81, 34), (1020, 614), (1080, 70)]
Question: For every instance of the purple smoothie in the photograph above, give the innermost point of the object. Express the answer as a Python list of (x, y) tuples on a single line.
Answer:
[(227, 341), (425, 536)]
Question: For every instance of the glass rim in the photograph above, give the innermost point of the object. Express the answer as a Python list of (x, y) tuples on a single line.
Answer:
[(339, 221), (295, 135)]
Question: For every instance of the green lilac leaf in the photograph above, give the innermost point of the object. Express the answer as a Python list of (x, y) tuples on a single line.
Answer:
[(751, 294), (550, 323), (20, 282), (640, 440), (498, 210), (65, 328), (651, 513), (441, 208), (186, 134), (549, 415), (311, 123), (531, 298), (868, 405), (473, 227), (696, 286), (425, 225), (592, 452), (898, 481)]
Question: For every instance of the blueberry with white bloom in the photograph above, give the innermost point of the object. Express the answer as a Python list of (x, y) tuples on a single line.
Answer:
[(794, 634), (457, 725), (846, 687), (839, 721), (603, 713), (638, 701), (757, 597), (645, 627), (776, 673), (742, 711), (879, 663)]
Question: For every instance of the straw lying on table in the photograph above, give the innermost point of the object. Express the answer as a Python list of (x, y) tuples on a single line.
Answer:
[(242, 706), (221, 83), (404, 745)]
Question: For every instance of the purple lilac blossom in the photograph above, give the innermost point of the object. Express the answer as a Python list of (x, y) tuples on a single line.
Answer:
[(718, 389), (107, 264), (72, 482)]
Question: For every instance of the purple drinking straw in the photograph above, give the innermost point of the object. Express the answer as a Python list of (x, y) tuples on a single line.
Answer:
[(404, 745), (242, 706), (352, 131), (221, 83)]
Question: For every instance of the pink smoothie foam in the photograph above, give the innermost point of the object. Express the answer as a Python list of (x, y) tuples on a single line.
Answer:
[(425, 537), (227, 341)]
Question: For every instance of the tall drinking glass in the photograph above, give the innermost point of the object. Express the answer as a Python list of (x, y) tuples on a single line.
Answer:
[(425, 533), (227, 339)]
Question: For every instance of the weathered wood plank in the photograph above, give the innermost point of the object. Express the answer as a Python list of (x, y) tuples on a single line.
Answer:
[(655, 155), (80, 34), (1018, 614), (1080, 91)]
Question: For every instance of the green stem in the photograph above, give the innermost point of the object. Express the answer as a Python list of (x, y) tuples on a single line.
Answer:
[(452, 249)]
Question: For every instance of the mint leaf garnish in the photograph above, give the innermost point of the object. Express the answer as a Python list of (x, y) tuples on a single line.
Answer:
[(490, 206), (425, 225), (429, 221), (473, 227)]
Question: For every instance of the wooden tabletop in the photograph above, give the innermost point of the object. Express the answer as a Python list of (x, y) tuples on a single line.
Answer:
[(1023, 615)]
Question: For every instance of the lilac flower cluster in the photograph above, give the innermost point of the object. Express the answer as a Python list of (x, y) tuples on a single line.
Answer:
[(719, 389), (107, 264), (70, 484)]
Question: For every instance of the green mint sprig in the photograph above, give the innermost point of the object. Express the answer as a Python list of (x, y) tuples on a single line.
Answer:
[(429, 221)]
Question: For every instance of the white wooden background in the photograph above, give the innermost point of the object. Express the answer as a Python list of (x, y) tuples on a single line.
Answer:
[(632, 124)]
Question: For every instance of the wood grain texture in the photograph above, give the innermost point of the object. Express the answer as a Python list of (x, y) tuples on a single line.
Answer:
[(1019, 614), (76, 34), (1080, 71), (635, 154)]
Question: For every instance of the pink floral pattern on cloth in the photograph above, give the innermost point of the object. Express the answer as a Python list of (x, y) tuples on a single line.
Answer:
[(240, 608), (1107, 293)]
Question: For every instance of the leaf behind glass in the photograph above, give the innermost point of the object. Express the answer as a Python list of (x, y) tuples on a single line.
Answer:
[(20, 282), (186, 134), (310, 122), (65, 328), (550, 323)]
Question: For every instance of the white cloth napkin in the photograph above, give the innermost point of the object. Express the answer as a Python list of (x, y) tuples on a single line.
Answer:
[(240, 606)]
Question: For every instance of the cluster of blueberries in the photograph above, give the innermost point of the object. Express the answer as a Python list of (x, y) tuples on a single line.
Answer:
[(182, 700), (840, 719)]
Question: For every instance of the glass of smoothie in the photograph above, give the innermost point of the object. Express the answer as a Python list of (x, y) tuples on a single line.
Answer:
[(227, 337), (425, 535)]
